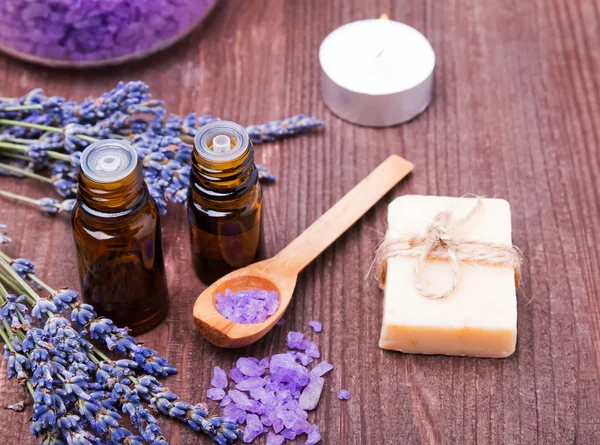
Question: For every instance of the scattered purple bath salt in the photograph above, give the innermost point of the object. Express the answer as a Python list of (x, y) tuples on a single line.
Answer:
[(316, 325), (280, 322), (344, 395), (274, 395), (248, 306)]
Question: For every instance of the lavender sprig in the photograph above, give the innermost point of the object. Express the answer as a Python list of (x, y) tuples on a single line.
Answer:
[(51, 132), (272, 130), (221, 430), (79, 393)]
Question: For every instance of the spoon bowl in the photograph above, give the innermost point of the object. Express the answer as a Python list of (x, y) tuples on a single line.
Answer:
[(280, 273), (228, 334)]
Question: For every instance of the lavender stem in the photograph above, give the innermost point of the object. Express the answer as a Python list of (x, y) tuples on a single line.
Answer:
[(22, 148), (24, 172), (29, 125)]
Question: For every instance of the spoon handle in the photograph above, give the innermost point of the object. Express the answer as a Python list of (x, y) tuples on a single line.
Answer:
[(333, 223)]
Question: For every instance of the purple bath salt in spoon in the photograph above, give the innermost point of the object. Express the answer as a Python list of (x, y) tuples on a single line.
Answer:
[(248, 306)]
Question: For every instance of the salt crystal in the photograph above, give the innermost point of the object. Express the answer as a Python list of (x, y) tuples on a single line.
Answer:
[(284, 395), (260, 393), (311, 394), (293, 421), (274, 439), (316, 325), (305, 359), (215, 393), (226, 401), (314, 436), (303, 344), (321, 369), (266, 421), (288, 434), (254, 428), (236, 375), (248, 306), (234, 413), (280, 322), (312, 350), (249, 367), (240, 399), (257, 408), (277, 425), (219, 379), (294, 339), (344, 395), (264, 362), (284, 369), (250, 383)]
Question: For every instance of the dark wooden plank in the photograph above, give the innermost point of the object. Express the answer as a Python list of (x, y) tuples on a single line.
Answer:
[(515, 115)]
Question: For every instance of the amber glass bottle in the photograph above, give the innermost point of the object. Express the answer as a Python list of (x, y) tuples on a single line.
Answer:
[(224, 201), (118, 237)]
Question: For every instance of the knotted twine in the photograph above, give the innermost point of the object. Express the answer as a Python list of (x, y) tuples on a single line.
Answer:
[(439, 243)]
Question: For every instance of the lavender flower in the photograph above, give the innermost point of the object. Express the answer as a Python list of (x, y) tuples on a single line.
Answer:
[(128, 111), (264, 175), (269, 131), (14, 311), (23, 267), (53, 206)]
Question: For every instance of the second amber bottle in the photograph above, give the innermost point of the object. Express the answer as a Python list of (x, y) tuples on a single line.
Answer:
[(224, 201)]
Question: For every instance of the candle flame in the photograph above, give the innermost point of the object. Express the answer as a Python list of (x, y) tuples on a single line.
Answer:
[(384, 20)]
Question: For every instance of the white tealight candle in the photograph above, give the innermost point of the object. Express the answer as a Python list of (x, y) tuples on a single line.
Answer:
[(376, 72)]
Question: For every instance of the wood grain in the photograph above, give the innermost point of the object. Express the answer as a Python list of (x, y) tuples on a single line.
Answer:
[(516, 115)]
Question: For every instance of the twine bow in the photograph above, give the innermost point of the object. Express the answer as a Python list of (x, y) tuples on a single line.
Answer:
[(439, 243)]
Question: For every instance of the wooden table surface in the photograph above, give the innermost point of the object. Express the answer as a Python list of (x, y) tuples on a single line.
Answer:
[(516, 115)]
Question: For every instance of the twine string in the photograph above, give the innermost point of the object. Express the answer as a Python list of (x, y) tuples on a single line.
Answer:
[(439, 243)]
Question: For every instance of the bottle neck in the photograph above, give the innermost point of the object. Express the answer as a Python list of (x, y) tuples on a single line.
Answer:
[(116, 198), (221, 180)]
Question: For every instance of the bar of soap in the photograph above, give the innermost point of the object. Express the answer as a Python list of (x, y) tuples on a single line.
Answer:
[(480, 317)]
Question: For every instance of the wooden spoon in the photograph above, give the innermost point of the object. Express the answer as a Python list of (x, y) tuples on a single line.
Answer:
[(281, 272)]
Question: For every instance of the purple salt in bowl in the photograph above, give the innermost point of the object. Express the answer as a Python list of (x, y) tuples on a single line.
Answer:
[(88, 33)]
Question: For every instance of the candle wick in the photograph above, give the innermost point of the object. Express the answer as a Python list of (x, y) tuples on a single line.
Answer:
[(380, 52)]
